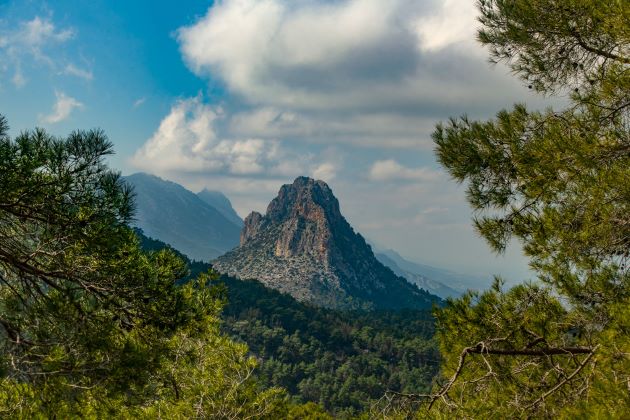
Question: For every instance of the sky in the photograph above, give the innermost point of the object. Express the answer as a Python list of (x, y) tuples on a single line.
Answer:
[(242, 96)]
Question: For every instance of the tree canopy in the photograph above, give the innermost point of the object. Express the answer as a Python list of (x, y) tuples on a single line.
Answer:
[(90, 325), (559, 183)]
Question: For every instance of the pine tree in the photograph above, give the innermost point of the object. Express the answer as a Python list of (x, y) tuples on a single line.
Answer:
[(90, 325), (559, 183)]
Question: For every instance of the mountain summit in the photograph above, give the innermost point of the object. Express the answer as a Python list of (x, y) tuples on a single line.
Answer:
[(222, 204), (305, 247)]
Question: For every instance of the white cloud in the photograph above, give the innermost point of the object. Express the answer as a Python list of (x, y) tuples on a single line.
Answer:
[(326, 172), (454, 22), (278, 51), (344, 55), (73, 70), (31, 40), (390, 170), (189, 139), (363, 72), (37, 32), (62, 109)]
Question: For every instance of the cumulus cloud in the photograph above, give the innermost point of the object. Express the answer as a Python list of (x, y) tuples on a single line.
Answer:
[(62, 109), (344, 54), (190, 139), (454, 22), (326, 171), (390, 170), (363, 72)]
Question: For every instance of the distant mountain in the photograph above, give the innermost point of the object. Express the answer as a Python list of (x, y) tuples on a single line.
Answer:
[(455, 281), (220, 202), (171, 213), (419, 280), (305, 247)]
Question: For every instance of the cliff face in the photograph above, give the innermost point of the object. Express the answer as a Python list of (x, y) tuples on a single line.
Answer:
[(305, 247)]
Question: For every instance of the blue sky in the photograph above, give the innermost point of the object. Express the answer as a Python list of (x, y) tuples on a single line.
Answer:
[(122, 54), (242, 96)]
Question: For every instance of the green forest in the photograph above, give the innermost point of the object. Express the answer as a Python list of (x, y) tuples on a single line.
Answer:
[(343, 361), (99, 321)]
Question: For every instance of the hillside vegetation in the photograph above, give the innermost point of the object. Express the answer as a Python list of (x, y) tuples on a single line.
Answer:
[(343, 361)]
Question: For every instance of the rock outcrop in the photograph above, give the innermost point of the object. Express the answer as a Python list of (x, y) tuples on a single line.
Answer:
[(305, 247)]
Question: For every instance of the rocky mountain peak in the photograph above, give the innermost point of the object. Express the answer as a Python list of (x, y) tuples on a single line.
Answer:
[(305, 247), (303, 214), (307, 198)]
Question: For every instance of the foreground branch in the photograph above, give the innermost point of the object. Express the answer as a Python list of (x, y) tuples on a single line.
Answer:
[(481, 348), (567, 379)]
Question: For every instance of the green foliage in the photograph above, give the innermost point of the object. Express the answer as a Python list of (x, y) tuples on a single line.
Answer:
[(91, 325), (344, 361), (558, 44), (559, 182), (341, 362), (522, 344), (308, 411)]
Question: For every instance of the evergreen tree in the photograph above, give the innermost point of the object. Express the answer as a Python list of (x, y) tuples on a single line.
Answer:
[(90, 325), (559, 182)]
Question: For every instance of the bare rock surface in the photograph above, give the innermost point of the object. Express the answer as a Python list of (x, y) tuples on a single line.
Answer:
[(305, 247)]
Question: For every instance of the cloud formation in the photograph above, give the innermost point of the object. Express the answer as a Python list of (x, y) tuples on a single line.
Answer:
[(451, 22), (73, 70), (190, 139), (368, 73), (38, 32), (62, 108), (342, 54), (30, 41)]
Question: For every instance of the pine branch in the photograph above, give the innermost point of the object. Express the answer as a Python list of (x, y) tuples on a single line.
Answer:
[(563, 382)]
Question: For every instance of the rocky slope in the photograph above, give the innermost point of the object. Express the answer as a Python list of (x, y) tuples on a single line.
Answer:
[(305, 247), (171, 213)]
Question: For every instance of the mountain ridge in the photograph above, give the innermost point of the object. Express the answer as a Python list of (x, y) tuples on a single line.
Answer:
[(435, 287), (452, 279), (179, 217)]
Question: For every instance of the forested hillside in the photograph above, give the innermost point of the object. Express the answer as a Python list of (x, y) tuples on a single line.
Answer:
[(344, 361)]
